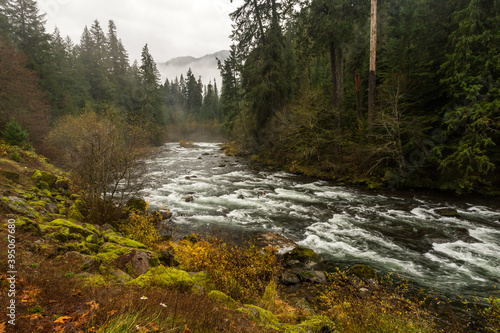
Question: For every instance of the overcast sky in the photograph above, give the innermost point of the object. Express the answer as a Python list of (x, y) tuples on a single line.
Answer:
[(171, 28)]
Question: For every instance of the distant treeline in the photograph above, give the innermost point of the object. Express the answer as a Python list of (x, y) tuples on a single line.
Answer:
[(44, 77)]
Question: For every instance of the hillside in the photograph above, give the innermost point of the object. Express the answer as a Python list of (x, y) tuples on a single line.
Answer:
[(205, 66)]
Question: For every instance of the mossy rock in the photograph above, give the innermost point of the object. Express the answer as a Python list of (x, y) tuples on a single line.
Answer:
[(44, 179), (114, 238), (163, 277), (94, 281), (62, 184), (362, 271), (36, 204), (109, 252), (203, 280), (302, 254), (74, 211), (28, 225), (448, 212), (137, 204), (84, 230), (223, 299), (74, 247), (262, 317)]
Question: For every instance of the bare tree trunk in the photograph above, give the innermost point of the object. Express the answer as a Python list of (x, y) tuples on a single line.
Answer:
[(373, 63), (333, 63), (357, 81)]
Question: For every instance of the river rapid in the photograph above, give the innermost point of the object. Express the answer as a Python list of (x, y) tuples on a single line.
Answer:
[(396, 232)]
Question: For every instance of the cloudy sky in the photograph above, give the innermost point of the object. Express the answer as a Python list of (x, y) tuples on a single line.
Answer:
[(172, 28)]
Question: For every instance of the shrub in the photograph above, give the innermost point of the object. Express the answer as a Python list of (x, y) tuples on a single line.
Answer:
[(242, 272), (14, 134), (140, 228), (103, 153)]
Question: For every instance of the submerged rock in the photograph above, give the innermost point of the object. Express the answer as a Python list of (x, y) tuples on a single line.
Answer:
[(302, 254), (448, 212)]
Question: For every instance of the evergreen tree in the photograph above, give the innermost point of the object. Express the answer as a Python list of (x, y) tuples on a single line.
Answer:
[(14, 134), (27, 31), (472, 77), (151, 105)]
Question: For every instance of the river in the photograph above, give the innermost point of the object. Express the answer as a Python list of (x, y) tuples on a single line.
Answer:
[(391, 231)]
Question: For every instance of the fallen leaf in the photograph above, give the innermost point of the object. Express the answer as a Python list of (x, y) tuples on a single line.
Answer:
[(35, 316), (2, 328), (78, 292), (112, 312), (30, 294), (62, 320), (186, 329), (93, 305), (59, 329)]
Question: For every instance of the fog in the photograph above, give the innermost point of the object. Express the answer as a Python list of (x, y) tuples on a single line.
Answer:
[(206, 67)]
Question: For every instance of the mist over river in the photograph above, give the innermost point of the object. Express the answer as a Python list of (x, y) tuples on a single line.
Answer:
[(391, 231)]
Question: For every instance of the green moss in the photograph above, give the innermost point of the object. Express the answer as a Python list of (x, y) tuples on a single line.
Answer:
[(46, 193), (26, 224), (60, 198), (74, 247), (262, 317), (302, 254), (125, 241), (109, 252), (74, 212), (137, 204), (154, 261), (37, 175), (94, 281), (163, 277), (223, 299), (40, 203), (73, 227)]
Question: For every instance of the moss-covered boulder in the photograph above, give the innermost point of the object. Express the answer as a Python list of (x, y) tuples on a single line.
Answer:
[(223, 299), (109, 252), (262, 317), (163, 277), (113, 237), (137, 204), (202, 280), (84, 230), (448, 212), (302, 254), (74, 211), (44, 177), (364, 272)]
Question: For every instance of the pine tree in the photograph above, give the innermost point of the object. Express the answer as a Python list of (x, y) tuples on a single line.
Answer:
[(27, 31), (472, 76), (151, 105), (14, 134)]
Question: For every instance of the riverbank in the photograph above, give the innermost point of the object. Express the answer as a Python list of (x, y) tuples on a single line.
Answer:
[(354, 176), (73, 276)]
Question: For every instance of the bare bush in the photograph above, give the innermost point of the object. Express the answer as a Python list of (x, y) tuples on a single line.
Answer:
[(104, 155)]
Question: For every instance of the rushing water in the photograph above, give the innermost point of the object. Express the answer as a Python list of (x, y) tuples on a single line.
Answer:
[(401, 233)]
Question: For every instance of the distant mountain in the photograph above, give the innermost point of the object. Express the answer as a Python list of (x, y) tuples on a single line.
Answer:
[(206, 67)]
